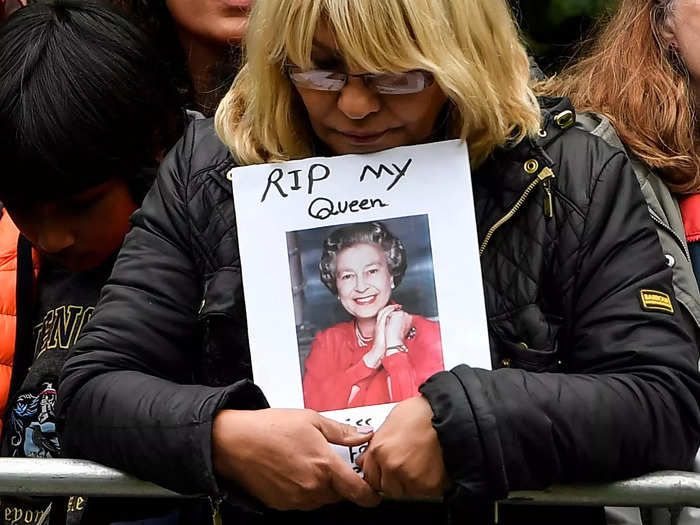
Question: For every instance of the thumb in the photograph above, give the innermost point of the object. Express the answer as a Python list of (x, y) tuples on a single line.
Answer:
[(341, 434)]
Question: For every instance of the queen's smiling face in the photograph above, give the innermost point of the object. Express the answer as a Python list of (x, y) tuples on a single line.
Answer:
[(363, 280)]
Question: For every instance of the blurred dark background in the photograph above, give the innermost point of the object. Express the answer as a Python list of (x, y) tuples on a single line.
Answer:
[(554, 29)]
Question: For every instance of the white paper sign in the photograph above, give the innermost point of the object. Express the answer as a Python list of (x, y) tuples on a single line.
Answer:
[(393, 232)]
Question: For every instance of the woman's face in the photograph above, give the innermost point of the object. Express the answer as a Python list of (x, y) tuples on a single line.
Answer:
[(683, 33), (217, 21), (7, 7), (363, 280), (358, 120)]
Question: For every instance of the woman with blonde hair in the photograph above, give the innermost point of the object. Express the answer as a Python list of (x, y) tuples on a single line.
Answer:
[(594, 370)]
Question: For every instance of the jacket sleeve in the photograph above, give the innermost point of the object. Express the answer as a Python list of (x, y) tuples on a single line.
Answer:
[(627, 403), (127, 397)]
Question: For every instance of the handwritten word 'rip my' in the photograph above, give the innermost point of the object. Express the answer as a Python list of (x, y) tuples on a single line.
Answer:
[(400, 172)]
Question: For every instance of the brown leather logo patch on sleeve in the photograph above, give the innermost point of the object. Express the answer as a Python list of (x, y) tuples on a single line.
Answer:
[(654, 300)]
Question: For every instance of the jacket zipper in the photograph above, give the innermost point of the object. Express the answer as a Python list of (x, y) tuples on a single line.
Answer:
[(215, 511), (672, 232), (544, 177)]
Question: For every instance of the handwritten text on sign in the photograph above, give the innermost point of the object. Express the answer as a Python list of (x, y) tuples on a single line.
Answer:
[(282, 183)]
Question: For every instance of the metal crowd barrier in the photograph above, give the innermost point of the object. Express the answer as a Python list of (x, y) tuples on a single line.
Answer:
[(68, 477)]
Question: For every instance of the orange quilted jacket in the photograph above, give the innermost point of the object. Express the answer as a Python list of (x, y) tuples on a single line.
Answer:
[(9, 235)]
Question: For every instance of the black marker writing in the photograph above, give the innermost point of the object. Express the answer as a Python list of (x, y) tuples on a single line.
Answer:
[(274, 179), (399, 172), (296, 186), (362, 422), (317, 168), (316, 173), (322, 208), (355, 453)]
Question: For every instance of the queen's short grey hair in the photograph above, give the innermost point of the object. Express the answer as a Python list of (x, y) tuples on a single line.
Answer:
[(364, 232)]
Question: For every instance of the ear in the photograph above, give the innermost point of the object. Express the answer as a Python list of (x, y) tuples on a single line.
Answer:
[(667, 31), (392, 283)]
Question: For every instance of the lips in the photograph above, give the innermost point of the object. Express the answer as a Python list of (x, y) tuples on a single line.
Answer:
[(363, 301), (238, 4), (364, 137)]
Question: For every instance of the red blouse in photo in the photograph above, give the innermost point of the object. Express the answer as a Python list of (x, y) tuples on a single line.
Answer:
[(337, 377)]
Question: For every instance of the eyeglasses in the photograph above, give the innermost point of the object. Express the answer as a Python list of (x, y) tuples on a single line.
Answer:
[(383, 83)]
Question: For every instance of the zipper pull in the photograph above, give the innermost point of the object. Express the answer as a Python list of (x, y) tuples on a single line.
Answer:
[(548, 203), (215, 514), (545, 176)]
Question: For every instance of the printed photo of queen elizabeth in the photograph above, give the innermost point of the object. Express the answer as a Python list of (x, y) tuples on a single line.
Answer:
[(376, 337)]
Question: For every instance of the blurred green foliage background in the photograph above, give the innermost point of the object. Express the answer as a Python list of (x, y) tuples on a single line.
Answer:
[(555, 28)]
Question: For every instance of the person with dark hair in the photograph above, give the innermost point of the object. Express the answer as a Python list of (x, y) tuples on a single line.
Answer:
[(384, 354), (85, 115), (201, 40)]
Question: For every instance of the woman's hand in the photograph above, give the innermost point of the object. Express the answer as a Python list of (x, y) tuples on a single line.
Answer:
[(374, 357), (404, 458), (398, 323), (282, 457)]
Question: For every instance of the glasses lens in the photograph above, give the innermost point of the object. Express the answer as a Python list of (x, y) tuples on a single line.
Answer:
[(318, 79), (401, 83)]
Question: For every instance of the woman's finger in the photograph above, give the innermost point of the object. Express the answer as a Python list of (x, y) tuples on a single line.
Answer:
[(385, 314), (342, 434), (380, 327), (349, 485), (391, 486), (386, 311), (371, 471)]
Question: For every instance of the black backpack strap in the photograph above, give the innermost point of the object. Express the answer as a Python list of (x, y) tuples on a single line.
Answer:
[(24, 300)]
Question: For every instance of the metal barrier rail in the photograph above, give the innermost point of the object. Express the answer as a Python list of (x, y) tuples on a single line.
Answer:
[(69, 477), (72, 477)]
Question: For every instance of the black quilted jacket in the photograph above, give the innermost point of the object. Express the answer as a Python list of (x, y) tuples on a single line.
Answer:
[(587, 383)]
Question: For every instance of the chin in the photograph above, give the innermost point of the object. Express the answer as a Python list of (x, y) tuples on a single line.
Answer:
[(231, 30), (77, 264), (359, 149)]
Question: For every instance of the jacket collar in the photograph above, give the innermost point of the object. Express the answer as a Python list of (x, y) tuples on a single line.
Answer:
[(505, 174)]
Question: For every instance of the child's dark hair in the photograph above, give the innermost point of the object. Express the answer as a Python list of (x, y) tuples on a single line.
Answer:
[(83, 99)]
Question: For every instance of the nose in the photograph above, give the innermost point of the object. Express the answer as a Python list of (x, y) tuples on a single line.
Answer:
[(360, 284), (357, 101), (53, 238)]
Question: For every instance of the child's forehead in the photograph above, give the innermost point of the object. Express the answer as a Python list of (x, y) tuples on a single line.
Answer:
[(54, 195)]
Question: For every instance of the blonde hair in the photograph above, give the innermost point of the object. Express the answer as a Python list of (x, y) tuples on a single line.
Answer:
[(472, 48)]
